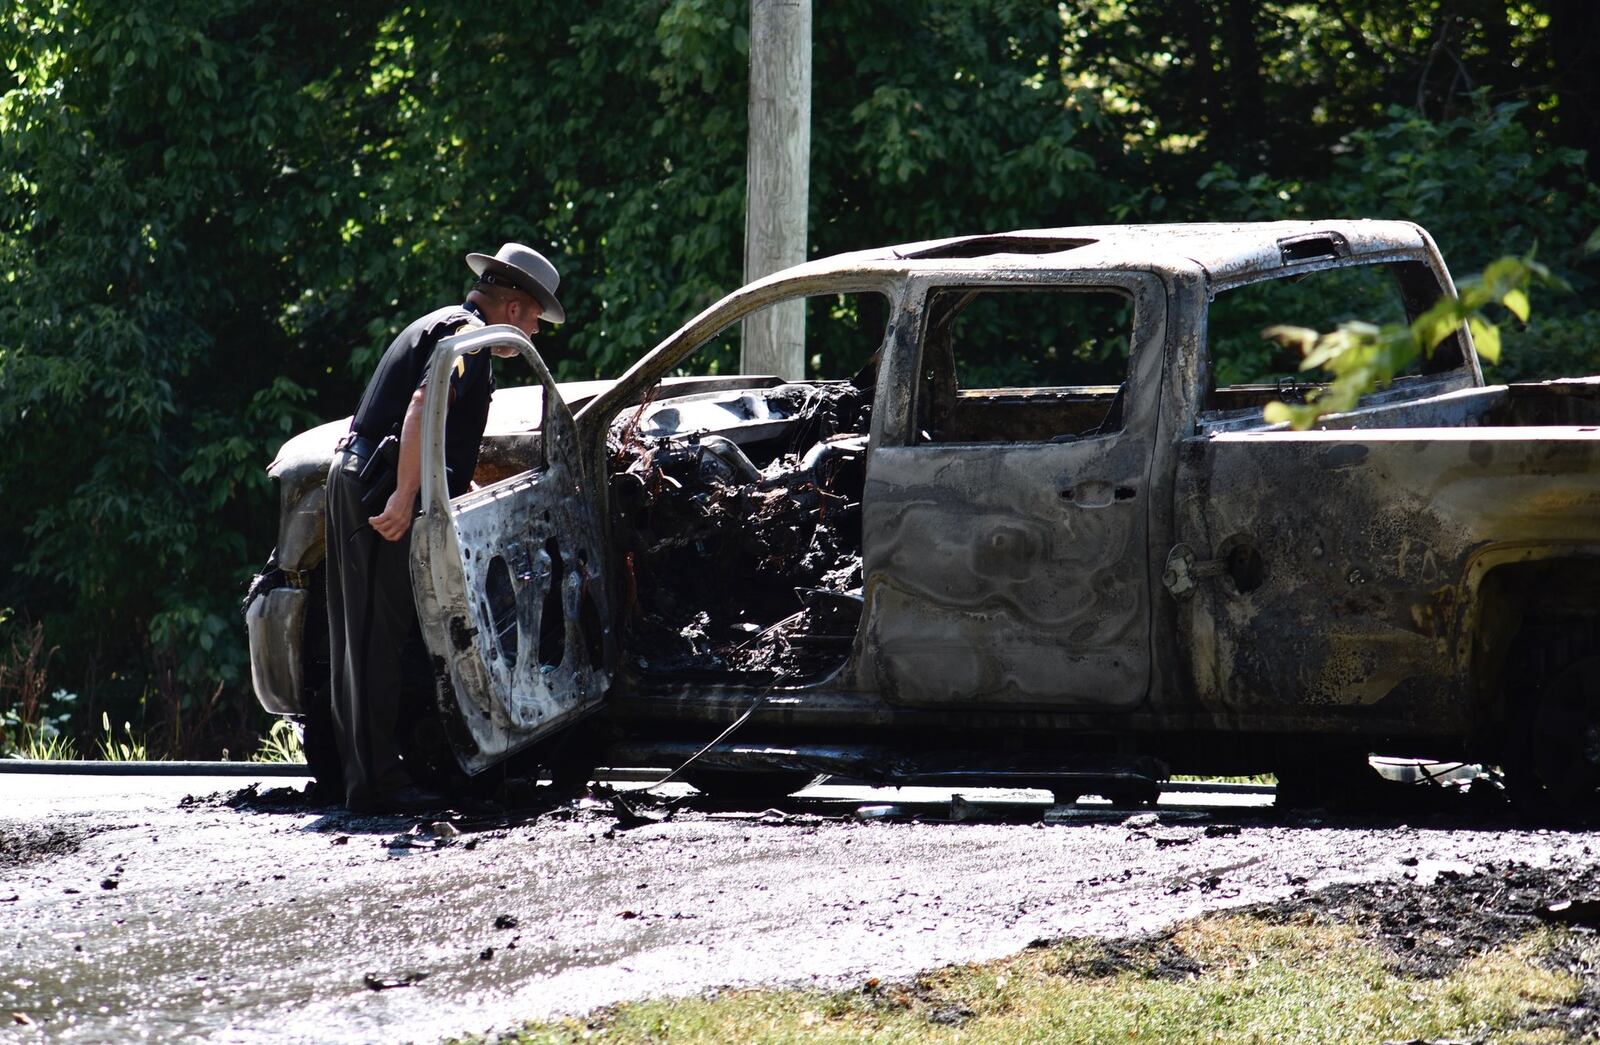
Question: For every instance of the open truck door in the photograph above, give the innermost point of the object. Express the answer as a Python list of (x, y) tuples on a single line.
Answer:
[(508, 579)]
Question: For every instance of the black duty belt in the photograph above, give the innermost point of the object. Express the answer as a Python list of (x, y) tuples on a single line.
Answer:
[(357, 444)]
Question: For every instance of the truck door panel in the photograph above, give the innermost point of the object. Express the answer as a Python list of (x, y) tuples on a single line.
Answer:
[(1013, 572), (508, 580)]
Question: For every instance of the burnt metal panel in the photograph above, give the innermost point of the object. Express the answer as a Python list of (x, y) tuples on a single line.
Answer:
[(1016, 573), (509, 579), (985, 584), (1366, 542)]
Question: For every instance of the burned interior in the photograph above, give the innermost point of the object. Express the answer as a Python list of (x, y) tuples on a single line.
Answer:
[(737, 516)]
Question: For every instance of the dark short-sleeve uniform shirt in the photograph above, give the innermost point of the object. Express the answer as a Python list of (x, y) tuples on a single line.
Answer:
[(404, 368)]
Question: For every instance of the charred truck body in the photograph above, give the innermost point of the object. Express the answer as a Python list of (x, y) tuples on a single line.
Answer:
[(936, 572)]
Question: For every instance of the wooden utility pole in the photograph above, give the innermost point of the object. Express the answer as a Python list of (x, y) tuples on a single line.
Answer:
[(778, 178)]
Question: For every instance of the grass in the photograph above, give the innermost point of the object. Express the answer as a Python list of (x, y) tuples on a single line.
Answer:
[(130, 749), (47, 742), (281, 744), (1237, 978), (42, 744)]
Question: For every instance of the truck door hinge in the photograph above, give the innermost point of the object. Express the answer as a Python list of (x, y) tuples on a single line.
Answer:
[(1183, 571)]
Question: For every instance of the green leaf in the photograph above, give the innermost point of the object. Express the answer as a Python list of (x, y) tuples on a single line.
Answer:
[(1276, 413), (1505, 272), (1516, 300), (1328, 352), (1301, 339), (1485, 338), (1436, 324)]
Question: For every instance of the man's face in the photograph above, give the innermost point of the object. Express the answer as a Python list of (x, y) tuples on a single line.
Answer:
[(527, 315), (522, 313)]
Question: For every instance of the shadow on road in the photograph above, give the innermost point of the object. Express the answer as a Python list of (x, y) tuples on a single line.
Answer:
[(1483, 806)]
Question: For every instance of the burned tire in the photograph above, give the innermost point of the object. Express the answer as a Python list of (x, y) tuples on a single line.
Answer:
[(730, 785), (1339, 779), (1551, 693), (1563, 750), (318, 738)]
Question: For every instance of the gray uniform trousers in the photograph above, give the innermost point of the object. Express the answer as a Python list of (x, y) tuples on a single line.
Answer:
[(370, 613)]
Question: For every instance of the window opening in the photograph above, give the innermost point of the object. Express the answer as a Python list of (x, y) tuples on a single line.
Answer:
[(842, 335), (1249, 371), (1023, 366)]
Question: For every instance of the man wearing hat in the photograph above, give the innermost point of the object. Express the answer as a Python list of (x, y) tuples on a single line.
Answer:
[(370, 607)]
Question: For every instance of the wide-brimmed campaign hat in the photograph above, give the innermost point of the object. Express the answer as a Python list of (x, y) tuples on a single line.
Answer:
[(525, 269)]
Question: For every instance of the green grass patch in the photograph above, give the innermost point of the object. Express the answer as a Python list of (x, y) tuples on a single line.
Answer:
[(41, 744), (280, 745), (130, 748), (1222, 978)]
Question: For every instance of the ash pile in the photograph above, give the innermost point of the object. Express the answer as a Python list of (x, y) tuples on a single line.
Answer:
[(742, 559)]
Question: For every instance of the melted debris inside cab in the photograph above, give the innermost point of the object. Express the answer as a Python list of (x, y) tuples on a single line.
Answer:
[(743, 562)]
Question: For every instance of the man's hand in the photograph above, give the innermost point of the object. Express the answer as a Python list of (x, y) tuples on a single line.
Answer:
[(395, 522)]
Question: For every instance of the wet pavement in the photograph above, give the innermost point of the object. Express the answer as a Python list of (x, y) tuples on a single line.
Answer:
[(130, 914)]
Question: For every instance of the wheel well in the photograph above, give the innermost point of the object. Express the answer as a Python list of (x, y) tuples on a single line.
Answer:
[(1533, 619)]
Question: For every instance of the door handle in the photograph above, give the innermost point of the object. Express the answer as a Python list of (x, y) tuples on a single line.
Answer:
[(1096, 493)]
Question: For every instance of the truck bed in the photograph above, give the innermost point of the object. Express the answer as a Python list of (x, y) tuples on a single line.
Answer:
[(1369, 543), (1412, 403)]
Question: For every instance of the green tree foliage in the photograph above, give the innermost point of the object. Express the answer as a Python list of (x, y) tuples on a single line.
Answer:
[(150, 218), (216, 215)]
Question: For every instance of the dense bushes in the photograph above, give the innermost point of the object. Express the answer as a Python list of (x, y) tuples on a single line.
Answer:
[(216, 214)]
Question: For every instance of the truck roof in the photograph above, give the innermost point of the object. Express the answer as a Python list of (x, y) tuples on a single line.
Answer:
[(1226, 250)]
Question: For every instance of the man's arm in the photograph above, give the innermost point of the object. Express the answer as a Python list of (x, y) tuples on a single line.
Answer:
[(395, 522)]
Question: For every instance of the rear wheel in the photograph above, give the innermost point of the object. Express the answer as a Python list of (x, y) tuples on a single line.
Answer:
[(318, 739), (1551, 761), (1564, 745)]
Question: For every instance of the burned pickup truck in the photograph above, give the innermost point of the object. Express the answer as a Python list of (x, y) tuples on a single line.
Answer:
[(1042, 536)]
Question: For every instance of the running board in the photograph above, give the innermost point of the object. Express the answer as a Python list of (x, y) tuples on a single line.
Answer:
[(1067, 775)]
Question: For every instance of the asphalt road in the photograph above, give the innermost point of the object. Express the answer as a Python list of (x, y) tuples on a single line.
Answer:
[(130, 914)]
